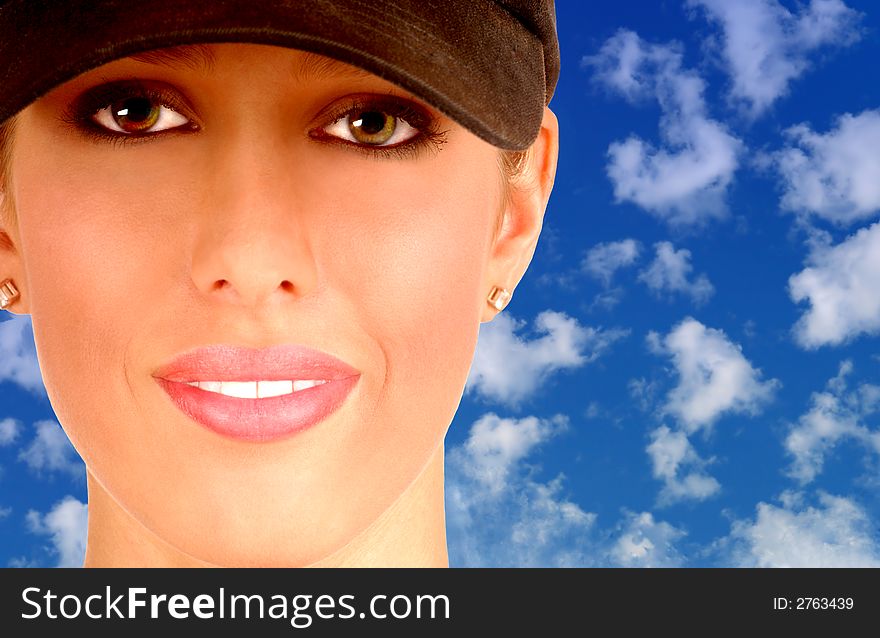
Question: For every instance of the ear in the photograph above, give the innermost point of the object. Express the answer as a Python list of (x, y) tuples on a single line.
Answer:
[(515, 244), (11, 266)]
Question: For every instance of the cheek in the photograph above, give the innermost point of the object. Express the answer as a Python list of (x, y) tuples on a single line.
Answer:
[(106, 238), (90, 264), (412, 253)]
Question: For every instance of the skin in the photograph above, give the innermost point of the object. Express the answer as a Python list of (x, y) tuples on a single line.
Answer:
[(251, 232)]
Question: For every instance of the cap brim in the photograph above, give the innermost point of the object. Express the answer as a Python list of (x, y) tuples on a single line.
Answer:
[(473, 61)]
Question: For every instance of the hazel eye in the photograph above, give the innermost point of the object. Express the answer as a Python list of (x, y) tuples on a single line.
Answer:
[(138, 115), (372, 128)]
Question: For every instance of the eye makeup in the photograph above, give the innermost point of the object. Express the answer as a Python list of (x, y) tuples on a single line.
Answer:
[(428, 135), (80, 114)]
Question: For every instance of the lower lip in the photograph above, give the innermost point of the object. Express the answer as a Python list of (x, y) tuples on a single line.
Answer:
[(259, 420)]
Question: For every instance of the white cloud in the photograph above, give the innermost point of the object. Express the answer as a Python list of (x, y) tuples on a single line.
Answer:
[(593, 411), (67, 526), (714, 376), (604, 259), (497, 513), (835, 415), (714, 379), (670, 271), (837, 533), (645, 542), (500, 514), (833, 175), (509, 369), (672, 454), (684, 182), (495, 445), (643, 392), (606, 299), (51, 451), (765, 46), (21, 562), (9, 429), (18, 354), (841, 286), (5, 511)]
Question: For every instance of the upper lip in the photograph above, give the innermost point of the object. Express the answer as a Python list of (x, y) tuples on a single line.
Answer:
[(234, 363)]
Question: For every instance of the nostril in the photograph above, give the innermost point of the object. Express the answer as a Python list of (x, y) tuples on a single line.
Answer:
[(286, 286)]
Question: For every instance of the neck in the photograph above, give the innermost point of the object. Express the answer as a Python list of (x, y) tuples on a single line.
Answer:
[(410, 533)]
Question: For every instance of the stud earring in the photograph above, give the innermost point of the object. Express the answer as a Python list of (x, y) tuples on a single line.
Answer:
[(498, 297), (8, 294)]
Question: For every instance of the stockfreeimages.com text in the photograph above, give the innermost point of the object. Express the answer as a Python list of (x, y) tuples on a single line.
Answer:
[(300, 609)]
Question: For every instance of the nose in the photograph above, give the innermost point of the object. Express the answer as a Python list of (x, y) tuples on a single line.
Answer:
[(252, 244)]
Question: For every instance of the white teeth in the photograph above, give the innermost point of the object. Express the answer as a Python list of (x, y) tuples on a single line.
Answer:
[(274, 388), (256, 389), (239, 389)]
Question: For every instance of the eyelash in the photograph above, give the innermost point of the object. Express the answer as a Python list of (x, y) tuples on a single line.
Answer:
[(78, 115), (427, 126)]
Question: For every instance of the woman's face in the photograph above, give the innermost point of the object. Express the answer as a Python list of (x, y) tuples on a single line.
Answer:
[(258, 210)]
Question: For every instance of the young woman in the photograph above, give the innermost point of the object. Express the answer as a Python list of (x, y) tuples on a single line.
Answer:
[(256, 242)]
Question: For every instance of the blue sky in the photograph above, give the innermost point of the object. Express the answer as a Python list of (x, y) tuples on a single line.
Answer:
[(688, 373)]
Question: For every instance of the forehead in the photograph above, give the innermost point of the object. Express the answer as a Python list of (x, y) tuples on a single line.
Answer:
[(203, 58)]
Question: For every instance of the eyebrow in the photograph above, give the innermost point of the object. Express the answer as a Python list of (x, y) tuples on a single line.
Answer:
[(200, 57), (196, 57), (318, 67)]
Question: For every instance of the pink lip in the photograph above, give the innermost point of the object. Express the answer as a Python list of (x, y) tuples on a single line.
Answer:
[(257, 419)]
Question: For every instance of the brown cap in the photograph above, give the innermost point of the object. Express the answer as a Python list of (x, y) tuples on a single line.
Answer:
[(490, 65)]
